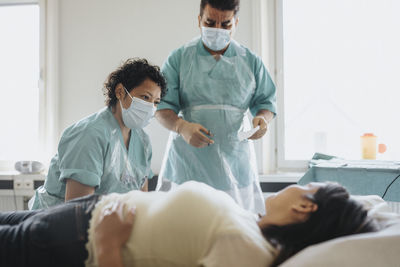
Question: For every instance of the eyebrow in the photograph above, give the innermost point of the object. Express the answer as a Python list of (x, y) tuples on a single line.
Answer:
[(149, 93), (227, 21), (213, 21), (152, 96)]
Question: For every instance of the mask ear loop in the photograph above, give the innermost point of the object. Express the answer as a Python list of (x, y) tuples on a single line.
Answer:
[(120, 103), (233, 29), (127, 92), (129, 96)]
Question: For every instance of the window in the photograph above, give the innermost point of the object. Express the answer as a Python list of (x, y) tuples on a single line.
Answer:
[(337, 78), (19, 81)]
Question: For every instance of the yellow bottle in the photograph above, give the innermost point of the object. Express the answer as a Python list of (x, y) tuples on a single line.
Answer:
[(368, 146)]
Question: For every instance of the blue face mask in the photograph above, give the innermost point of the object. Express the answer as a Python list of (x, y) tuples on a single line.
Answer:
[(214, 38)]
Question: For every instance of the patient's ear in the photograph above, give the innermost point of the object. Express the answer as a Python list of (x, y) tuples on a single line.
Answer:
[(304, 206)]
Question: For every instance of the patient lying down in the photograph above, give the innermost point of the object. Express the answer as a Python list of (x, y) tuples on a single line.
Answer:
[(196, 225)]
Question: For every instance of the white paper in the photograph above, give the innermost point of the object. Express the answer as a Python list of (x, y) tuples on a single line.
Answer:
[(247, 134)]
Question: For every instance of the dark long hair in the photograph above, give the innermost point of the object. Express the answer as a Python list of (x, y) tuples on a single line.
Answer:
[(337, 215)]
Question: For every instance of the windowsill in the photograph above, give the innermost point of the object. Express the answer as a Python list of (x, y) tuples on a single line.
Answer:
[(4, 175), (281, 177)]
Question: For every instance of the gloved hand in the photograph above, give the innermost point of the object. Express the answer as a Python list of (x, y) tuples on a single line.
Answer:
[(194, 133), (259, 120)]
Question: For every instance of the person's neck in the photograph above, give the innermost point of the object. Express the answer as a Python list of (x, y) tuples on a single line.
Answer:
[(273, 219), (124, 130), (263, 222)]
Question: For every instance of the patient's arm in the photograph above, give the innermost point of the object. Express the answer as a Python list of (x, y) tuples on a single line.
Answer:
[(111, 233), (75, 189)]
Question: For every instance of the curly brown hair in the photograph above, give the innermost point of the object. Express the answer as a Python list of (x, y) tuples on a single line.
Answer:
[(131, 74)]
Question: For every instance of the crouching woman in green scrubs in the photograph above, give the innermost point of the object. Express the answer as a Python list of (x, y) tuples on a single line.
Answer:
[(107, 151)]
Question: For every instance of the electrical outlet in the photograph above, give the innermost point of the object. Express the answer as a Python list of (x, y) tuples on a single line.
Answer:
[(23, 184), (18, 184), (27, 184)]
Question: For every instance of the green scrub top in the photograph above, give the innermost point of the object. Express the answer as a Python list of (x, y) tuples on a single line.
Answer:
[(92, 152), (261, 95)]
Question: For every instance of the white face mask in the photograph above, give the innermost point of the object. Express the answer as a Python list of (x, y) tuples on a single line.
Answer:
[(214, 38), (138, 114)]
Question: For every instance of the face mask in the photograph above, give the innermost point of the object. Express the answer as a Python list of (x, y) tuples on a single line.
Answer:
[(138, 114), (214, 38)]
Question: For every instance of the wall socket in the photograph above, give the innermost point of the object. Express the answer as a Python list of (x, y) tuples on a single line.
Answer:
[(23, 184)]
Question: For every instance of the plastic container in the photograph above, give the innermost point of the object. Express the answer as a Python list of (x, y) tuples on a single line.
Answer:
[(29, 167), (369, 147)]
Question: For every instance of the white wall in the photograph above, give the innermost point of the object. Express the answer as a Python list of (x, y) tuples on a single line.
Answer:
[(95, 36)]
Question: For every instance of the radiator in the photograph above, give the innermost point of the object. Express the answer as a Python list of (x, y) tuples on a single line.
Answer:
[(394, 206), (11, 203), (16, 189)]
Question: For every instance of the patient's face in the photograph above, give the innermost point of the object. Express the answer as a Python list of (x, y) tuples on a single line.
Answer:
[(291, 205)]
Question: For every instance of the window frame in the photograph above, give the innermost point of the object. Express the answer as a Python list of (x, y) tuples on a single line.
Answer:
[(48, 77), (268, 20), (271, 43), (282, 163)]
